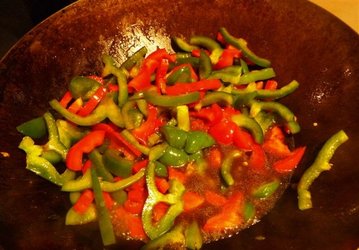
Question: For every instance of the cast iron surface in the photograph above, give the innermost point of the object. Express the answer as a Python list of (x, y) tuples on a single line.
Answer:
[(303, 42)]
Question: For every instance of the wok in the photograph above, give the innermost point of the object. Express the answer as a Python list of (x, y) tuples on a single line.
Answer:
[(303, 42)]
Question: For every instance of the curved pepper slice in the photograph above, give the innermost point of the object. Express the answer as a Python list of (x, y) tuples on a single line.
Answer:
[(88, 143), (154, 196), (183, 88), (227, 165), (290, 162), (170, 101), (198, 140)]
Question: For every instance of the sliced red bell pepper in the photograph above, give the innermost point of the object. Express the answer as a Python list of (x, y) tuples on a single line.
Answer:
[(271, 85), (243, 140), (235, 52), (97, 78), (215, 199), (159, 210), (197, 52), (140, 82), (161, 76), (198, 124), (220, 39), (191, 200), (223, 131), (290, 162), (85, 200), (176, 174), (162, 184), (92, 103), (214, 158), (226, 59), (139, 165), (86, 166), (75, 106), (109, 202), (88, 143), (194, 76), (274, 143), (150, 126), (211, 114), (66, 99), (113, 134), (184, 88), (257, 159)]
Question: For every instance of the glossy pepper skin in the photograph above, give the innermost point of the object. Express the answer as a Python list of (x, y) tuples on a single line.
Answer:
[(174, 136), (321, 163), (198, 140), (35, 128), (173, 198), (174, 157)]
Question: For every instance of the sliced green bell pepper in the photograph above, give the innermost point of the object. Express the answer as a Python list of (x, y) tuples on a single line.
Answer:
[(35, 128)]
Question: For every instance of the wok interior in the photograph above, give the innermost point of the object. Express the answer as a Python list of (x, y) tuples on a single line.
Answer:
[(303, 43)]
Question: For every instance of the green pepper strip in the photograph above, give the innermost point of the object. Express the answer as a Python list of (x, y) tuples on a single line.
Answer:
[(174, 237), (244, 66), (79, 184), (280, 109), (270, 94), (321, 163), (205, 65), (142, 106), (266, 190), (129, 124), (104, 219), (110, 68), (249, 211), (106, 108), (198, 140), (75, 218), (241, 44), (174, 136), (83, 87), (174, 199), (184, 58), (134, 59), (250, 124), (183, 117), (170, 101), (183, 45), (37, 164), (131, 139), (174, 157), (205, 42), (227, 165), (54, 142), (97, 159), (216, 97), (231, 74), (122, 184), (257, 75), (193, 236)]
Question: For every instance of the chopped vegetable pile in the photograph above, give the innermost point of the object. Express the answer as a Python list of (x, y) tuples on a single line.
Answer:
[(174, 149)]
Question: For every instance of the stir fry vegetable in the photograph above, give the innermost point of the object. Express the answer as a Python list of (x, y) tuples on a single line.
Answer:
[(153, 142)]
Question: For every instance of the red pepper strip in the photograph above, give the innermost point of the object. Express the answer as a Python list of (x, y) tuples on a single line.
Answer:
[(139, 165), (225, 60), (75, 106), (271, 85), (84, 201), (259, 85), (159, 210), (220, 38), (160, 54), (161, 76), (112, 87), (215, 199), (274, 143), (228, 217), (258, 158), (162, 184), (112, 133), (223, 131), (194, 76), (235, 52), (243, 140), (65, 100), (184, 88), (140, 82), (191, 200), (211, 114), (214, 158), (86, 166), (199, 124), (88, 143), (93, 102), (131, 224), (97, 78), (197, 52), (108, 200), (289, 163), (229, 111), (150, 126)]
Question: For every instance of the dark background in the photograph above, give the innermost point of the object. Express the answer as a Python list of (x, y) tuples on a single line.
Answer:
[(18, 16)]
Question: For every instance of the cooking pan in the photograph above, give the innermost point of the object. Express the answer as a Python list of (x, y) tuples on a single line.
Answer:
[(303, 42)]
